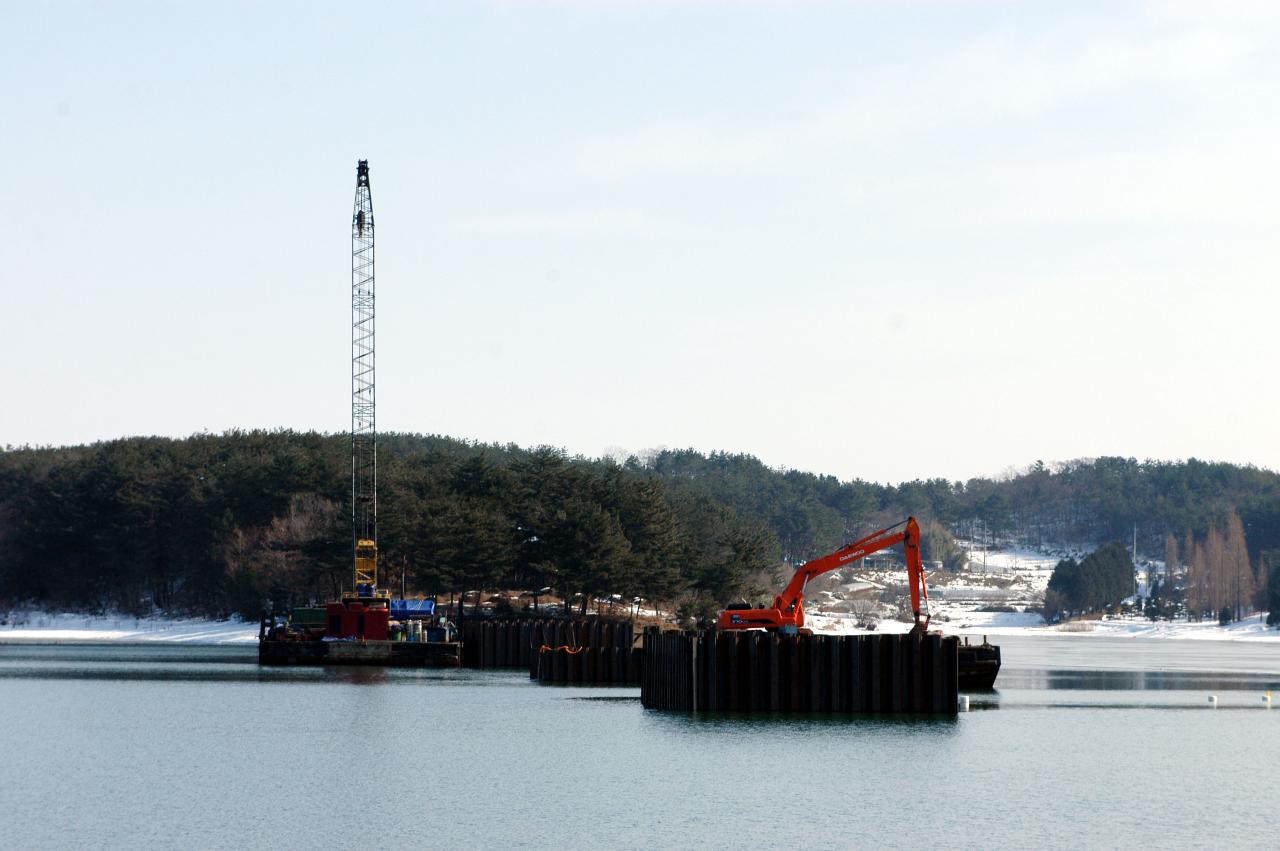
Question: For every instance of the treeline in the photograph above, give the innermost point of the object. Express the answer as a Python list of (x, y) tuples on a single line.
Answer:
[(220, 524), (1084, 502)]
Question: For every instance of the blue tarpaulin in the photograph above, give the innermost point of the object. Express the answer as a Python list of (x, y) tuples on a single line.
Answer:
[(413, 608)]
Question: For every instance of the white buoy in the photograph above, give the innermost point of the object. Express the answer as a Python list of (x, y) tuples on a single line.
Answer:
[(964, 703), (1213, 701)]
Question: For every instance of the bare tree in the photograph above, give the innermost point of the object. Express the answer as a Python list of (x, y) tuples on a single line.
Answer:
[(865, 610), (1170, 557), (1197, 583), (1239, 569)]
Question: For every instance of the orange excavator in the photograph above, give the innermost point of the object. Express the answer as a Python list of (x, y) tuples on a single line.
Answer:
[(787, 613)]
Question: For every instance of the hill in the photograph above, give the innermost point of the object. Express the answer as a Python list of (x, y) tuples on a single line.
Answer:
[(219, 523)]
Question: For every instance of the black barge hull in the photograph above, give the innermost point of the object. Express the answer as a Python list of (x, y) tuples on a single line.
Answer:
[(979, 665), (404, 654)]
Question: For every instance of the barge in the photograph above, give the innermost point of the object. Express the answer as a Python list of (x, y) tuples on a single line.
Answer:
[(979, 665), (361, 630)]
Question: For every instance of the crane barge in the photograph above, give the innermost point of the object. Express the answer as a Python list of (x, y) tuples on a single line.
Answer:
[(365, 626)]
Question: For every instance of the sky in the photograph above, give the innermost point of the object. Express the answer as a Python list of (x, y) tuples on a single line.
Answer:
[(877, 240)]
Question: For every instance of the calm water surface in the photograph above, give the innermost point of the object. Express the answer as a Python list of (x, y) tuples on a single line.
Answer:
[(1087, 742)]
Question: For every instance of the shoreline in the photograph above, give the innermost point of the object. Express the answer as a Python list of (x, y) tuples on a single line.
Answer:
[(68, 629), (1251, 630)]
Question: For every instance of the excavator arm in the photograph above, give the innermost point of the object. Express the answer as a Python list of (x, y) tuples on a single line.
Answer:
[(787, 612)]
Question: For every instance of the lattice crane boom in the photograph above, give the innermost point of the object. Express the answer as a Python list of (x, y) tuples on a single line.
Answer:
[(364, 431)]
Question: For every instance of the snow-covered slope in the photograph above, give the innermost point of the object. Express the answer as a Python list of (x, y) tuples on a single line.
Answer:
[(991, 597)]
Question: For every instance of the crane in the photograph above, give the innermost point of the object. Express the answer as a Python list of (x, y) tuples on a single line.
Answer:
[(787, 612), (364, 431)]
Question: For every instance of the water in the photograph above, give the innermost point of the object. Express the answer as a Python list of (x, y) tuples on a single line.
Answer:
[(1087, 742)]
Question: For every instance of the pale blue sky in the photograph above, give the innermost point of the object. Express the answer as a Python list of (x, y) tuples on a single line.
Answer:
[(884, 240)]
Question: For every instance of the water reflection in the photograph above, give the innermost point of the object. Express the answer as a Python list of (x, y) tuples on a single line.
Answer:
[(1196, 706), (738, 723), (359, 675), (150, 653), (179, 663), (152, 663), (1121, 680)]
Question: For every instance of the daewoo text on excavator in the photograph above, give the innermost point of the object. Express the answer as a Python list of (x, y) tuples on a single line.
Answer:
[(787, 613)]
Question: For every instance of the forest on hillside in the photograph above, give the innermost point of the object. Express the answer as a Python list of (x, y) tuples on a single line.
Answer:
[(230, 523), (225, 523), (1083, 502)]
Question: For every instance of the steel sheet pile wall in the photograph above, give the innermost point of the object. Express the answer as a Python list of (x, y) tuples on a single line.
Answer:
[(582, 650), (765, 672), (602, 665), (591, 652)]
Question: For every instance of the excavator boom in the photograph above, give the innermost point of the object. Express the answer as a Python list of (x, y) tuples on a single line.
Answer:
[(787, 612)]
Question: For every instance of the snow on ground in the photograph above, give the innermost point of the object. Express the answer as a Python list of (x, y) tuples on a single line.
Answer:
[(1010, 578), (1023, 624), (1006, 560), (43, 627), (1250, 629)]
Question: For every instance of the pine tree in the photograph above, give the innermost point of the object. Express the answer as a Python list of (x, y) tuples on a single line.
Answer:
[(1103, 578)]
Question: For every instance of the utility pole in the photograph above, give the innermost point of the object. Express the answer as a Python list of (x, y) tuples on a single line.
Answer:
[(364, 432)]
